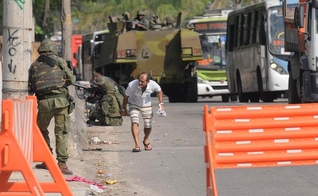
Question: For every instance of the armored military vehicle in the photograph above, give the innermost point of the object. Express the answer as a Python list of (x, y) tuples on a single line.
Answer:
[(169, 55)]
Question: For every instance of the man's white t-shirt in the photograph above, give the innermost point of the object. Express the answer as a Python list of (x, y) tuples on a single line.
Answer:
[(139, 98)]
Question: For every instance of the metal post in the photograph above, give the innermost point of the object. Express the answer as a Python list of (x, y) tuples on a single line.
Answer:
[(18, 35)]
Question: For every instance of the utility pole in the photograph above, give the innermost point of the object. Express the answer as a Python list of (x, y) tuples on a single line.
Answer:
[(66, 30), (18, 34)]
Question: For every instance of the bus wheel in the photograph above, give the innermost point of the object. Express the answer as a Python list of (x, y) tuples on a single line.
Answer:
[(268, 97), (254, 97), (243, 97)]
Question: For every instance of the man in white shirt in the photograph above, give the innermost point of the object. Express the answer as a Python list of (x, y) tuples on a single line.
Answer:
[(138, 95)]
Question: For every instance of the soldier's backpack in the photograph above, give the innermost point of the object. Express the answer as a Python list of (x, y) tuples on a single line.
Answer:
[(46, 75), (120, 93)]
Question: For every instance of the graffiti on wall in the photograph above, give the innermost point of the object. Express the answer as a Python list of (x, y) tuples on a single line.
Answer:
[(20, 3), (13, 41)]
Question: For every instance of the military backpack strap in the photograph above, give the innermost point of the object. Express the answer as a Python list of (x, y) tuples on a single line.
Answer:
[(45, 59)]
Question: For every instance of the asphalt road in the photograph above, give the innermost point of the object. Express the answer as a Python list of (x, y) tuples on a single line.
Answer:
[(176, 164)]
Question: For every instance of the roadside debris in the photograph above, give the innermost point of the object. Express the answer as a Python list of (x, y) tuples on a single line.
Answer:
[(96, 140), (95, 188), (82, 179)]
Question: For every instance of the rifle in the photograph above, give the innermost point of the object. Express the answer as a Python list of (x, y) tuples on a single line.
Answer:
[(91, 93)]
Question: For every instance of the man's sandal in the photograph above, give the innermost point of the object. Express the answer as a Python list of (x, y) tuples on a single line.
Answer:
[(147, 146), (136, 150)]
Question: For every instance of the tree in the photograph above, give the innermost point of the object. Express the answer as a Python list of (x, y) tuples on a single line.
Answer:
[(46, 13)]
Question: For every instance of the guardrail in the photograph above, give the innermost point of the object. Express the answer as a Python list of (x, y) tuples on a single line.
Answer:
[(21, 143), (259, 136)]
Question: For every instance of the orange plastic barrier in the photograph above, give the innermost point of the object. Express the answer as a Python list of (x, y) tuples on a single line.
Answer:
[(21, 143), (259, 136)]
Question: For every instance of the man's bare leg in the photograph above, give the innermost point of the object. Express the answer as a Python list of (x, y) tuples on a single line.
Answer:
[(135, 133), (147, 132)]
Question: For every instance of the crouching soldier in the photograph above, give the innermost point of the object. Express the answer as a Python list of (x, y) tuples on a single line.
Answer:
[(108, 108)]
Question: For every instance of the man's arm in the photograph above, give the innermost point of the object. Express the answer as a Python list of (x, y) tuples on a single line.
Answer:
[(143, 24), (160, 94), (124, 110)]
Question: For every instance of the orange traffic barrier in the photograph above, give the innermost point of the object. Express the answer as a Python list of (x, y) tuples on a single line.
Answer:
[(259, 136), (21, 143)]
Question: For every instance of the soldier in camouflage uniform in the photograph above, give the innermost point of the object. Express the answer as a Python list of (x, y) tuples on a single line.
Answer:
[(49, 77), (108, 108), (168, 23), (140, 22)]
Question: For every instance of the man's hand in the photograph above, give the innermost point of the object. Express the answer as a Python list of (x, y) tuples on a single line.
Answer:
[(161, 106), (123, 112)]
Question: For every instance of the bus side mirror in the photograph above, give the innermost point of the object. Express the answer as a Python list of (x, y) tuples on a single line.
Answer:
[(299, 17)]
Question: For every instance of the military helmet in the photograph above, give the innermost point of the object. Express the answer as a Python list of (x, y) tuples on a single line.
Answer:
[(100, 80), (47, 45), (140, 13), (126, 16), (169, 20)]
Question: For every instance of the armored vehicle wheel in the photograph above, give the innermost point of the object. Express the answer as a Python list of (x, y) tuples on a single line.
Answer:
[(191, 90)]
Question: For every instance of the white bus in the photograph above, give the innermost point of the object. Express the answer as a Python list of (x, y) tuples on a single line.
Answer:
[(254, 49), (211, 70)]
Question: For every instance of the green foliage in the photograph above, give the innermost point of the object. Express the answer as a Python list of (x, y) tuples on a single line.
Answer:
[(38, 30), (92, 15), (53, 18), (166, 10)]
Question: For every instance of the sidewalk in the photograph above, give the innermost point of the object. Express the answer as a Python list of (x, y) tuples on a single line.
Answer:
[(86, 159), (79, 168)]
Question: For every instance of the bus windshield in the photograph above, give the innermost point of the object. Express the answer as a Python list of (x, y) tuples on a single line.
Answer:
[(276, 30), (212, 32), (212, 51)]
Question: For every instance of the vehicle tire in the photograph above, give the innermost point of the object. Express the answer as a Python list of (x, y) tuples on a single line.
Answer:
[(225, 98), (191, 90), (254, 97), (268, 97), (292, 91), (243, 97), (175, 97)]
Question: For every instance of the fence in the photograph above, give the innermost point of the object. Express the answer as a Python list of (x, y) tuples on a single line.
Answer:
[(21, 143), (259, 136)]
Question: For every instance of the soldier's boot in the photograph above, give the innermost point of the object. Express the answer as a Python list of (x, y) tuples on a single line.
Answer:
[(64, 169), (41, 166)]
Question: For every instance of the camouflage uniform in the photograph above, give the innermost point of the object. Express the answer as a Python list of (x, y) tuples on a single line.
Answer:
[(108, 109), (143, 21), (49, 83), (168, 23)]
